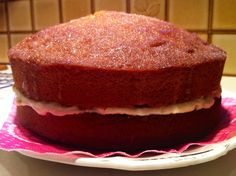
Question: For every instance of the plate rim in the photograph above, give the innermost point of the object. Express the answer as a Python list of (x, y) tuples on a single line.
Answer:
[(162, 161)]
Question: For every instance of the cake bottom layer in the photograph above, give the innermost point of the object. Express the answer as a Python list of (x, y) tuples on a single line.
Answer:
[(122, 132)]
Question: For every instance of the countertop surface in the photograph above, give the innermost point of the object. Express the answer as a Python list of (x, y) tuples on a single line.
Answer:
[(13, 163)]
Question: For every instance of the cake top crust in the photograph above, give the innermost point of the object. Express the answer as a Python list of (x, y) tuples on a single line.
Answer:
[(116, 40)]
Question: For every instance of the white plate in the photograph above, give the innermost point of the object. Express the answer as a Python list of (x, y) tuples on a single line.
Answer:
[(163, 161)]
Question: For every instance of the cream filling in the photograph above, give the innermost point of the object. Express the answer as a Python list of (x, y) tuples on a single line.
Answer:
[(56, 109)]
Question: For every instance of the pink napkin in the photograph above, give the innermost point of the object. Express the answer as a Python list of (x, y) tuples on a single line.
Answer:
[(15, 138)]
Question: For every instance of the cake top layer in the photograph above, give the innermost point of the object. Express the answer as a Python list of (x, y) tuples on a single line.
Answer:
[(116, 40)]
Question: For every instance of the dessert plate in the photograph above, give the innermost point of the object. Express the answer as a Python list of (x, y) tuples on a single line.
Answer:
[(192, 156), (163, 161)]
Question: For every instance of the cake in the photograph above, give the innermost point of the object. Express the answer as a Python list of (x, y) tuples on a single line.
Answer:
[(117, 81)]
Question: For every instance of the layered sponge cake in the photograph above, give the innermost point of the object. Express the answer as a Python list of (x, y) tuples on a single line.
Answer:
[(117, 81)]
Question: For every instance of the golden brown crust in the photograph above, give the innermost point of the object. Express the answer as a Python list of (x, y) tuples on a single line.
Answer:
[(116, 40), (116, 59)]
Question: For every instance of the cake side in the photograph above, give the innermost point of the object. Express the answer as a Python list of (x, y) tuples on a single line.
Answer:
[(122, 132), (102, 88)]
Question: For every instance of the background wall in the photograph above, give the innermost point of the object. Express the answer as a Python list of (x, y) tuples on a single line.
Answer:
[(213, 20)]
